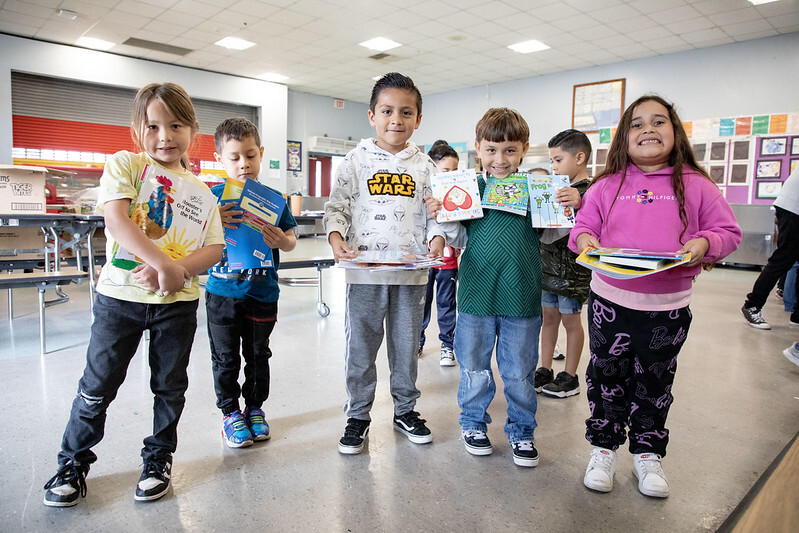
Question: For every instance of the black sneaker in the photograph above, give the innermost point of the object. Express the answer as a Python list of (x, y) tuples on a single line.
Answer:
[(542, 377), (477, 442), (156, 475), (754, 317), (524, 453), (794, 319), (413, 427), (66, 486), (563, 386), (354, 434)]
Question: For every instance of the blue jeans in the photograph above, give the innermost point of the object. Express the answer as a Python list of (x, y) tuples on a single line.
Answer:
[(516, 340), (446, 307), (116, 330)]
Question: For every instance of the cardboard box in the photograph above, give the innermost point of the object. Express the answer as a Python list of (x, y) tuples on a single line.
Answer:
[(22, 190), (21, 243)]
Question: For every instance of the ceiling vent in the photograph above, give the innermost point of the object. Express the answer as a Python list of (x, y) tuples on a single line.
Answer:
[(157, 47), (384, 57), (329, 145)]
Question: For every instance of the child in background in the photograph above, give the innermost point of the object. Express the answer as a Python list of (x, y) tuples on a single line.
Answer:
[(652, 195), (445, 276), (241, 305), (499, 299), (564, 285), (376, 204), (151, 297)]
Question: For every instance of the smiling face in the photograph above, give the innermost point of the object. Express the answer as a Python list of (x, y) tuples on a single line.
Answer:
[(394, 118), (241, 159), (164, 137), (651, 136), (501, 159)]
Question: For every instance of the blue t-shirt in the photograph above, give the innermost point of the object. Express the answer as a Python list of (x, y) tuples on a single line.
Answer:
[(256, 283)]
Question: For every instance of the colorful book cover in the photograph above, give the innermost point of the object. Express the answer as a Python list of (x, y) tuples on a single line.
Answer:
[(591, 261), (458, 193), (245, 244), (390, 260), (173, 212), (545, 212), (507, 194)]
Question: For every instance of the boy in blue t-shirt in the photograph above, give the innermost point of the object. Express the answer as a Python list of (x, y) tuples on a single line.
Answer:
[(242, 304)]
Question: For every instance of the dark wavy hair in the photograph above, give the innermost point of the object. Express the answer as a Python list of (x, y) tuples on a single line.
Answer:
[(440, 150)]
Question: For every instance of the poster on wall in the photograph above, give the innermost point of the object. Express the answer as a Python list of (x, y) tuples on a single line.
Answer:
[(597, 105), (293, 156)]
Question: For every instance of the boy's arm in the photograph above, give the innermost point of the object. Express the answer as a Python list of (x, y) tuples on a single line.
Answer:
[(283, 240), (338, 209), (201, 259)]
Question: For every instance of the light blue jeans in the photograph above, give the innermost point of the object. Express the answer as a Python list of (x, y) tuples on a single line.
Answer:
[(516, 340)]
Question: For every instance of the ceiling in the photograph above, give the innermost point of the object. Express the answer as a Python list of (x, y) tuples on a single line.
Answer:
[(447, 44)]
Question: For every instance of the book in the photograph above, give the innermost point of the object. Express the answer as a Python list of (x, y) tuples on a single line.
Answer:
[(596, 259), (245, 243), (458, 193), (390, 260), (545, 212), (172, 211), (507, 194)]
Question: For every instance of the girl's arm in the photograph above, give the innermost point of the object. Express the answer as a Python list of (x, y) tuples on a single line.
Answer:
[(588, 224)]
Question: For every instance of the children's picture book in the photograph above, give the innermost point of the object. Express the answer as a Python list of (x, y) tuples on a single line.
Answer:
[(603, 260), (245, 244), (545, 212), (390, 260), (458, 193), (507, 194), (173, 212)]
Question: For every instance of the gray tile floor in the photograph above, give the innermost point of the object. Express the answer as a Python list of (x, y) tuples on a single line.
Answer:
[(737, 405)]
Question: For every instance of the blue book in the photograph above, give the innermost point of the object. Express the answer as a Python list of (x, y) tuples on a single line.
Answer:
[(245, 244)]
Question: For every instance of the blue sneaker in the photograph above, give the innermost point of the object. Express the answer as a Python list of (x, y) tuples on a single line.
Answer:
[(235, 430), (257, 423)]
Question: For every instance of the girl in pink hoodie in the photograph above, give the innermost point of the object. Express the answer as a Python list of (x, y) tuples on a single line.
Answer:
[(652, 195)]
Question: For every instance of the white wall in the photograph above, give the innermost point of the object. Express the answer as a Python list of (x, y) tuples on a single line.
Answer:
[(45, 59), (748, 78)]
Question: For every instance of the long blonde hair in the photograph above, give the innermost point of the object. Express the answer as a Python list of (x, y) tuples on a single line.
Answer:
[(175, 99)]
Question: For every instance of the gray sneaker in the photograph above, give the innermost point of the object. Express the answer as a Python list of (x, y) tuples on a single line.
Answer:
[(755, 318), (447, 357)]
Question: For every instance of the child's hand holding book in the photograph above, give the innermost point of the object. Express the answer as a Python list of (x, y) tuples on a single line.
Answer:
[(228, 214)]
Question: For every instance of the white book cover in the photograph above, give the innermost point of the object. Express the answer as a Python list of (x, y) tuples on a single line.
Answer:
[(545, 212), (458, 193)]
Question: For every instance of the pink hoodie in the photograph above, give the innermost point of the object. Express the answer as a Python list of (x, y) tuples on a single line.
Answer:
[(646, 216)]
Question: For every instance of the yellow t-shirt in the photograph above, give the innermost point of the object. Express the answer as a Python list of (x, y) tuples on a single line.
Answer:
[(119, 179)]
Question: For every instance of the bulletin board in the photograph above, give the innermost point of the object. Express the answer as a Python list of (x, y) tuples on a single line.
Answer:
[(597, 105), (775, 158)]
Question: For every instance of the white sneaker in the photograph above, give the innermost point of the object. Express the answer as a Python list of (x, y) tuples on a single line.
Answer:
[(599, 474), (651, 479), (447, 357), (791, 353)]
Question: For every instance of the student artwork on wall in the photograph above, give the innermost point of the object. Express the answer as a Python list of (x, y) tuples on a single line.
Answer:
[(293, 156), (768, 169), (774, 146), (795, 146), (768, 189)]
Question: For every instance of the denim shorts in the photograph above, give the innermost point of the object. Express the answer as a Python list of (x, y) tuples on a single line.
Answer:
[(566, 305)]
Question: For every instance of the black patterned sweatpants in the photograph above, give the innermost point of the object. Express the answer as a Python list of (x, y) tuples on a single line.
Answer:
[(630, 374)]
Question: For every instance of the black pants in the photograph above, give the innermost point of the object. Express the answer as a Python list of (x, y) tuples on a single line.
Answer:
[(240, 328), (630, 374), (780, 262)]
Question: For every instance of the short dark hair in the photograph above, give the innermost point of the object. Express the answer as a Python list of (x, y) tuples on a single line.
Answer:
[(571, 141), (237, 129), (395, 80), (440, 150), (500, 124)]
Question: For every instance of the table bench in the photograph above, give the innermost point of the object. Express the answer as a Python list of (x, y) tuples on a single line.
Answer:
[(42, 281), (319, 263)]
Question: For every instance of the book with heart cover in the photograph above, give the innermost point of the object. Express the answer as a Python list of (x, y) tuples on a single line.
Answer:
[(458, 193)]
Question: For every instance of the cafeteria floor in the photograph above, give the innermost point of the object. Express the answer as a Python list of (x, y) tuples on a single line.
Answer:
[(736, 407)]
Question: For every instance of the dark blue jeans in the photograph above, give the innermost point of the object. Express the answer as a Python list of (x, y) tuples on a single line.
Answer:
[(117, 328), (446, 307), (240, 328)]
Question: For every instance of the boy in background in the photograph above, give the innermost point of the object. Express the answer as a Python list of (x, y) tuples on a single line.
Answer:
[(376, 203), (565, 284), (242, 304)]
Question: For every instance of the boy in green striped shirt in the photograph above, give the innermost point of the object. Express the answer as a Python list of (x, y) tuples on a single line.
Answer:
[(499, 299)]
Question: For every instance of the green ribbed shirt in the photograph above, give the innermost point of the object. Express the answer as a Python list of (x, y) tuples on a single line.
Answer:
[(500, 270)]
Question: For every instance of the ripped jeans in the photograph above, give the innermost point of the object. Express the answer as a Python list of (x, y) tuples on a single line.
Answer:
[(116, 330), (516, 340)]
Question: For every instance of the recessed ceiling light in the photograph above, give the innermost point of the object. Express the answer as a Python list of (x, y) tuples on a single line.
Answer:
[(234, 43), (527, 47), (272, 76), (96, 44), (381, 44), (758, 2), (66, 14)]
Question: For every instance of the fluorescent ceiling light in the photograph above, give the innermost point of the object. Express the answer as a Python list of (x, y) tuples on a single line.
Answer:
[(527, 47), (381, 44), (97, 44), (67, 14), (234, 43), (758, 2), (272, 76)]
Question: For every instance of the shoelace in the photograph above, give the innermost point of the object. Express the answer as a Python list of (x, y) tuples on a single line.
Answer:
[(257, 419), (651, 466), (67, 474), (476, 434), (757, 316), (154, 468), (525, 445), (601, 461)]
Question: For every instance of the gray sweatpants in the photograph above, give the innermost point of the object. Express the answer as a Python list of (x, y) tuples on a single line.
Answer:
[(401, 307)]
